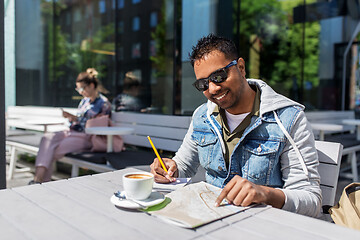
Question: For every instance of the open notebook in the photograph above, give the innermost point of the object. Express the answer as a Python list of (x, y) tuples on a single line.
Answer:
[(193, 205), (169, 187)]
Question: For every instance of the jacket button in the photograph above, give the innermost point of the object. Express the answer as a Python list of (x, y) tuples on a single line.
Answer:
[(220, 168), (203, 139), (259, 149)]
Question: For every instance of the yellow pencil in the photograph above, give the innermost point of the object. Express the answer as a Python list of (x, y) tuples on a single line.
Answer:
[(157, 154)]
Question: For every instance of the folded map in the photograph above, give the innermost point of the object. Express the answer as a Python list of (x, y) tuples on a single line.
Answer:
[(193, 205)]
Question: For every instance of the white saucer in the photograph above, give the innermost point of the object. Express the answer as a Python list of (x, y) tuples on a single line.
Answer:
[(153, 199)]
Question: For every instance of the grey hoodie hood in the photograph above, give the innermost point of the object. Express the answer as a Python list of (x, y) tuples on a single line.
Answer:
[(271, 100)]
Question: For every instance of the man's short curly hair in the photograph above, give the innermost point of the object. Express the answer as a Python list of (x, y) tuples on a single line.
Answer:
[(209, 43)]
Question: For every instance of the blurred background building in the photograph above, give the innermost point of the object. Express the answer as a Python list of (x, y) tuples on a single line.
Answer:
[(296, 46)]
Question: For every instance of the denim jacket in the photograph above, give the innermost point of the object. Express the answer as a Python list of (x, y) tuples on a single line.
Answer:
[(263, 155), (255, 157)]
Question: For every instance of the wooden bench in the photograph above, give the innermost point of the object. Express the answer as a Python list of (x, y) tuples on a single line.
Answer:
[(167, 133), (19, 129), (20, 117), (344, 135)]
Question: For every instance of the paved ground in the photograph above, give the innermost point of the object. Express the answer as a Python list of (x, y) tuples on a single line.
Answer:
[(23, 178)]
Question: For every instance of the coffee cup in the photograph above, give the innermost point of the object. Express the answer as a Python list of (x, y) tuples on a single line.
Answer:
[(138, 185)]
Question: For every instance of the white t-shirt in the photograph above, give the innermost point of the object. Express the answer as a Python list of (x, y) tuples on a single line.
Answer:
[(234, 120)]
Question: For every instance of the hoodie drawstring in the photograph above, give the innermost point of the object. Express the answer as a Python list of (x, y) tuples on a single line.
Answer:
[(297, 151)]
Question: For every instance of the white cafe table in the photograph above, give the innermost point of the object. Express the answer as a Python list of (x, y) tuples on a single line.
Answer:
[(109, 132), (46, 122), (355, 122), (326, 127), (80, 208)]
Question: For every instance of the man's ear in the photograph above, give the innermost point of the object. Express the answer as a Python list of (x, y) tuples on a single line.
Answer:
[(241, 66)]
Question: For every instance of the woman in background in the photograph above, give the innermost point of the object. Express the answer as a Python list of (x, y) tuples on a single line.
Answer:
[(54, 146)]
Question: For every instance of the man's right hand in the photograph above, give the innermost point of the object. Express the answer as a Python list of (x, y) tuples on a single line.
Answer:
[(160, 175)]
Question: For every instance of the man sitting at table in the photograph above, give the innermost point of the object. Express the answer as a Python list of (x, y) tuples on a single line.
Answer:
[(254, 143)]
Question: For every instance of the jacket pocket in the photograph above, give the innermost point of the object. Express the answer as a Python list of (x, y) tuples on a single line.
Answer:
[(203, 138), (205, 142), (260, 156)]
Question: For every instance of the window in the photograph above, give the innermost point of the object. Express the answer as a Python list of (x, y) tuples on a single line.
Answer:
[(89, 10), (152, 48), (153, 19), (121, 53), (77, 37), (85, 36), (102, 6), (67, 18), (136, 24), (119, 2), (77, 15), (121, 27), (135, 53)]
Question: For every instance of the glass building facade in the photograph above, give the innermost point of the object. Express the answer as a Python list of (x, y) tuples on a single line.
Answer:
[(296, 46)]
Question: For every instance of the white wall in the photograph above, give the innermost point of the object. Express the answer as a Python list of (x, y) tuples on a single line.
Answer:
[(9, 51)]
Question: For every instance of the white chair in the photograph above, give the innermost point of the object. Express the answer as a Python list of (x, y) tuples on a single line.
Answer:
[(330, 158), (21, 143)]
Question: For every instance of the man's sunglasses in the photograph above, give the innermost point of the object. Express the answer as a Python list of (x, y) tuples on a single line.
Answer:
[(218, 76)]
